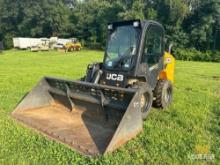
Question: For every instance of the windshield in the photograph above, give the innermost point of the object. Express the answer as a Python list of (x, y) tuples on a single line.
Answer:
[(122, 46)]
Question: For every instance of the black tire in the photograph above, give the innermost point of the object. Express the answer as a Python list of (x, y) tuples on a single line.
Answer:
[(146, 102), (163, 94), (72, 49)]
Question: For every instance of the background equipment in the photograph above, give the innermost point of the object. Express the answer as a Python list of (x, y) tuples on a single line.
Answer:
[(44, 45), (105, 108), (74, 45)]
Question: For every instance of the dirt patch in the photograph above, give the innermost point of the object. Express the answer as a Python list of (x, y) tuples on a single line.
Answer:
[(216, 77), (188, 89)]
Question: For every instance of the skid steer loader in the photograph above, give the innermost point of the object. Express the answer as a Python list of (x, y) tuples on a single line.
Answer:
[(106, 108)]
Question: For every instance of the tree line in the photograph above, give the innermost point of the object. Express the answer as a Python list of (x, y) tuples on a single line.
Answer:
[(189, 24)]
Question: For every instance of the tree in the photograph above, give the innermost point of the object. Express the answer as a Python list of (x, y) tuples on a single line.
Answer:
[(24, 18), (188, 23), (133, 10), (202, 25), (89, 20)]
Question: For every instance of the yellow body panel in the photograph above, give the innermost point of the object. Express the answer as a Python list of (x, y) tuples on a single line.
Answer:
[(168, 72), (73, 45)]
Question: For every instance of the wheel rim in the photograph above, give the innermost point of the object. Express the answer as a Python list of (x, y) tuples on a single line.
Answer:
[(144, 102), (167, 94)]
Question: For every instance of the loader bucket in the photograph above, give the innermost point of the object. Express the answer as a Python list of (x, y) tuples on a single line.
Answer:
[(91, 119)]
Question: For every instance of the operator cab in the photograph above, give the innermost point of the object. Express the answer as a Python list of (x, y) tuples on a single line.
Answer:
[(134, 50), (122, 45)]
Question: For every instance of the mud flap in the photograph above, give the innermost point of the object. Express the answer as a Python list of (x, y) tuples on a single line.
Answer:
[(91, 119)]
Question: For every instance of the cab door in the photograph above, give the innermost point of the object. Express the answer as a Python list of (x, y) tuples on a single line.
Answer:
[(153, 50)]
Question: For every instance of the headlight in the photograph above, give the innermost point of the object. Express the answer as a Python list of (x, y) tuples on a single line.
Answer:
[(136, 24), (110, 27)]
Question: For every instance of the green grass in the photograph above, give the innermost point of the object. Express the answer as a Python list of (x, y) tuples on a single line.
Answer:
[(169, 137)]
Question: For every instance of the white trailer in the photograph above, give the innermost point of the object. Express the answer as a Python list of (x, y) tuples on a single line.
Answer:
[(63, 41), (34, 42), (16, 42), (25, 43)]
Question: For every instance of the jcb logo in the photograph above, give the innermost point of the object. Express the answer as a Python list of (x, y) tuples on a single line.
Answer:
[(114, 77)]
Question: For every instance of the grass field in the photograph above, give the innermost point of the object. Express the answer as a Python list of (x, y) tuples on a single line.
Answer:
[(170, 137)]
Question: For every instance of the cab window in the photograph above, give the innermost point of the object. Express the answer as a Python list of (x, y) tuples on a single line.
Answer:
[(153, 47)]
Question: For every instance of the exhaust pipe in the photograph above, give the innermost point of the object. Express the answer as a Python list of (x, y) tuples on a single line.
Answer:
[(170, 48)]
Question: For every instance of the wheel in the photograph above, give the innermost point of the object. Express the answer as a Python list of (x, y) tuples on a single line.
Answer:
[(72, 49), (163, 94), (66, 49), (146, 102)]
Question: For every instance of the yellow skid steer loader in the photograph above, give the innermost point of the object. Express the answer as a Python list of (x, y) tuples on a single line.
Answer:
[(106, 108)]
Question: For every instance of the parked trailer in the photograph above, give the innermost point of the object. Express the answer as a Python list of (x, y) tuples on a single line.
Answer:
[(25, 43), (16, 42), (34, 42), (63, 41)]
